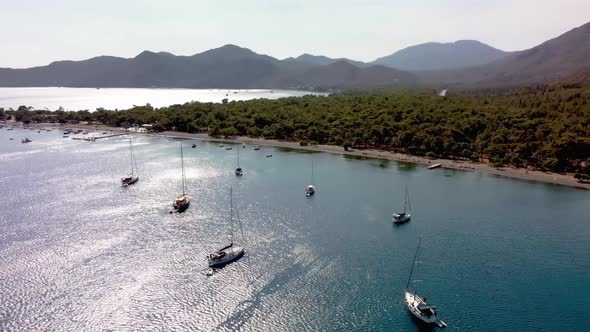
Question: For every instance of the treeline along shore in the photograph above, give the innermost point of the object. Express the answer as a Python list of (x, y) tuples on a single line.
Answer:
[(544, 128)]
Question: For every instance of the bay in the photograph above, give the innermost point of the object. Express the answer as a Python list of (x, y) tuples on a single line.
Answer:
[(80, 253), (75, 99)]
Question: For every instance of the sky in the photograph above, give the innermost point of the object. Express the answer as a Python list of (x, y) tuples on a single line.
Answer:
[(37, 32)]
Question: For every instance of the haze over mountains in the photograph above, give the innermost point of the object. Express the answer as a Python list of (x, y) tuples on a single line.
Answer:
[(433, 56), (460, 63)]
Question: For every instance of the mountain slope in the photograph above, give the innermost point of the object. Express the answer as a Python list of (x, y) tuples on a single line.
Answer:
[(344, 74), (550, 61), (322, 60), (434, 56), (229, 66)]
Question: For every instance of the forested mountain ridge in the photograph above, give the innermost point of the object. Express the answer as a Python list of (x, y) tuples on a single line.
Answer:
[(230, 66)]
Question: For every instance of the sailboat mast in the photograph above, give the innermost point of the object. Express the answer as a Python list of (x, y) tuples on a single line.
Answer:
[(406, 199), (231, 213), (182, 164), (312, 175), (409, 203), (131, 155), (413, 263), (417, 268)]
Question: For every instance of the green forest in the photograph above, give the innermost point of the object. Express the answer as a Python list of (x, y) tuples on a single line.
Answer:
[(545, 127)]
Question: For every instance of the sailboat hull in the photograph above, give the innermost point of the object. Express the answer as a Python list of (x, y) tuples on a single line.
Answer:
[(401, 218), (181, 207), (413, 302), (225, 256), (125, 182), (182, 203)]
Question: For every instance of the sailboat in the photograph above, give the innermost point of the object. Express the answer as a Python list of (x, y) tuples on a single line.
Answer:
[(403, 217), (230, 252), (239, 171), (183, 201), (416, 304), (132, 177), (310, 189)]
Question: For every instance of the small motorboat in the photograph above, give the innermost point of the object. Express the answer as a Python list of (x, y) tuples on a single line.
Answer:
[(268, 155), (228, 148), (194, 146), (85, 133), (256, 148), (25, 140), (66, 136), (220, 145), (434, 166), (209, 272), (38, 131), (243, 146), (11, 139)]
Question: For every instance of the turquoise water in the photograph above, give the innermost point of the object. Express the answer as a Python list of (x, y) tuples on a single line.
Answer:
[(78, 252)]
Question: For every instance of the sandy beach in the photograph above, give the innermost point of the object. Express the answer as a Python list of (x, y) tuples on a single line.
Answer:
[(509, 172)]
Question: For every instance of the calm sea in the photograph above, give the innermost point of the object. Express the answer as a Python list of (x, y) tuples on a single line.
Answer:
[(74, 99), (80, 253)]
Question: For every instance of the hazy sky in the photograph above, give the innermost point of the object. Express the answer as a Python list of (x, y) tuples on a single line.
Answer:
[(37, 32)]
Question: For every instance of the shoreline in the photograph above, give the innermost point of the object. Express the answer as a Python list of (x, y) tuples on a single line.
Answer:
[(507, 172)]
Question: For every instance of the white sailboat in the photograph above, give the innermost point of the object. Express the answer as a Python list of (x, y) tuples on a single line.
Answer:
[(403, 217), (132, 177), (417, 305), (230, 252), (239, 171), (310, 189), (183, 201)]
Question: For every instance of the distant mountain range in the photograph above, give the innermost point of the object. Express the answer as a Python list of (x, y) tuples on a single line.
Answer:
[(551, 61), (435, 56), (461, 63)]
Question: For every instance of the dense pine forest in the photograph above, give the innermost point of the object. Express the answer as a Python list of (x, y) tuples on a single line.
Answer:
[(545, 127)]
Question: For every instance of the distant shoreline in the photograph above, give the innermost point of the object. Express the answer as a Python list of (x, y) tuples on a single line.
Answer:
[(508, 172)]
